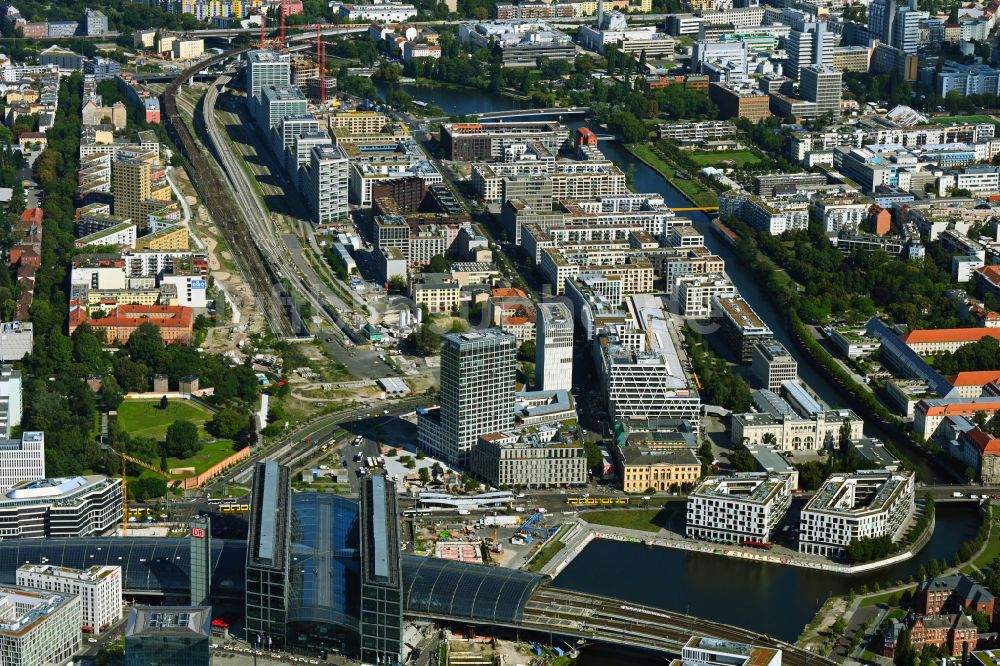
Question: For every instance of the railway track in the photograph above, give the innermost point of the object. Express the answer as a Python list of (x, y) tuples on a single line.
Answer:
[(248, 255)]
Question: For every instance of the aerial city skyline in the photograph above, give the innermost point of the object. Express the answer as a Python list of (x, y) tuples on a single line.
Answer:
[(499, 332)]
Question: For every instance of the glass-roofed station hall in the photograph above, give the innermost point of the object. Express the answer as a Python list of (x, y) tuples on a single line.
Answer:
[(316, 570)]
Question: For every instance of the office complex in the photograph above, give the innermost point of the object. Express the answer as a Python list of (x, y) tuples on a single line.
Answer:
[(641, 369), (201, 559), (477, 393), (534, 457), (739, 508), (860, 505), (274, 103), (741, 326), (772, 365), (821, 84), (69, 507), (381, 578), (520, 43), (267, 68), (268, 556), (554, 347), (38, 627), (469, 142), (169, 636), (99, 589)]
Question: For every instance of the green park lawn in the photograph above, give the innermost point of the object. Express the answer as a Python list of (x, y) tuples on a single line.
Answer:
[(543, 556), (144, 418), (715, 157), (980, 118), (211, 453), (647, 520)]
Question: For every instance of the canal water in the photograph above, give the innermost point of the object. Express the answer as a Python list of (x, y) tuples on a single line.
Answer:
[(772, 599)]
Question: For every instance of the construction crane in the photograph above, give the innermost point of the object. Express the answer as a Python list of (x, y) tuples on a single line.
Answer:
[(321, 63), (124, 457)]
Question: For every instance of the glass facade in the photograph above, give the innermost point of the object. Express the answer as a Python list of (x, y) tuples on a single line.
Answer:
[(201, 560), (324, 583), (381, 584), (450, 589)]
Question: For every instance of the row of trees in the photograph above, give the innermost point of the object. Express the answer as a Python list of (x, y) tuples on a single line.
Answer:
[(720, 386), (912, 292)]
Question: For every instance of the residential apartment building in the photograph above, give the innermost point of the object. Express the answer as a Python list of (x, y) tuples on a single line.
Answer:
[(861, 505), (694, 293), (937, 340), (774, 215), (741, 508), (99, 589)]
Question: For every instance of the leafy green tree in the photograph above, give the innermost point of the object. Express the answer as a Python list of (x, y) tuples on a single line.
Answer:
[(182, 439), (526, 352), (228, 423)]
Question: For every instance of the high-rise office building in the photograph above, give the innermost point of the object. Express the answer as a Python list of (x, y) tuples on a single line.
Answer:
[(326, 183), (477, 393), (11, 405), (809, 43), (822, 85), (267, 68), (554, 347), (268, 556), (906, 28), (880, 16), (381, 581), (201, 560)]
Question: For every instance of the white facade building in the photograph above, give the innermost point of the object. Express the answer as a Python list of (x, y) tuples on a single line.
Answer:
[(99, 589), (848, 507), (739, 508), (554, 347), (68, 507), (267, 68), (38, 627), (11, 402), (695, 292), (326, 183), (22, 460)]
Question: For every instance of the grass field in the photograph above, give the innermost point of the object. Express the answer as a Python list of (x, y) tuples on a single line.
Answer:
[(882, 597), (647, 520), (211, 453), (144, 418), (543, 556), (692, 189), (992, 549), (714, 157), (981, 118)]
